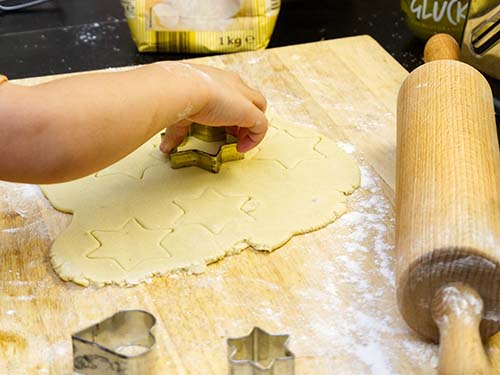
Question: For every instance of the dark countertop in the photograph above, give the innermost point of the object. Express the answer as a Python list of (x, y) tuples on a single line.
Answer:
[(70, 35), (50, 38)]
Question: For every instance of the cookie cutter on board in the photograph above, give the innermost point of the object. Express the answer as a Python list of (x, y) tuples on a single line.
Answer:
[(119, 345), (260, 353), (210, 162)]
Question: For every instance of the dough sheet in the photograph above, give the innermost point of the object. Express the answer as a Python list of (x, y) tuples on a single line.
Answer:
[(139, 218)]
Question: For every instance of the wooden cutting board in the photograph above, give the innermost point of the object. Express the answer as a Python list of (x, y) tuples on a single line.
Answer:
[(332, 290)]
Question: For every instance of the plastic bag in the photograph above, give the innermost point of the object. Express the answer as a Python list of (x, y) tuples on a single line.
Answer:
[(201, 26)]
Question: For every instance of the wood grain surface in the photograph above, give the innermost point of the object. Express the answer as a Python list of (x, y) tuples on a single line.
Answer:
[(448, 207), (332, 290)]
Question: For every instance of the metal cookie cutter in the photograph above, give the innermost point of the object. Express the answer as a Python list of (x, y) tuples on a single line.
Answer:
[(208, 161), (260, 353), (122, 344)]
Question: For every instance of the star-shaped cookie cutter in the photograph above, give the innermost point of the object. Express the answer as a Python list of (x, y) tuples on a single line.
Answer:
[(210, 162), (119, 345), (260, 353)]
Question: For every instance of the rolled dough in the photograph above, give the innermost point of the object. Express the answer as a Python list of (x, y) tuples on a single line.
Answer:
[(139, 218)]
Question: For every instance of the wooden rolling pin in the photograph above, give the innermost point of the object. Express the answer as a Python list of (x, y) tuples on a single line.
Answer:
[(448, 208)]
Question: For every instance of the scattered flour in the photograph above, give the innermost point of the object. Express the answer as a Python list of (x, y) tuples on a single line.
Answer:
[(186, 112), (374, 357), (357, 296), (459, 303), (89, 33), (357, 329), (348, 148), (363, 267), (87, 37), (21, 211), (255, 60)]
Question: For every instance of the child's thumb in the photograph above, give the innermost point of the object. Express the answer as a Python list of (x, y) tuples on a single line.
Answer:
[(174, 136)]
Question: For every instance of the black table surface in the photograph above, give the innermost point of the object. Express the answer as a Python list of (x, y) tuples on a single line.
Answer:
[(64, 36)]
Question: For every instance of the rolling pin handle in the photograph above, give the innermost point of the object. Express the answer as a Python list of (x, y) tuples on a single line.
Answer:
[(457, 310), (441, 47)]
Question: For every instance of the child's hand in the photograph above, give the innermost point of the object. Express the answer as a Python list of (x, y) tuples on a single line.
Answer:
[(226, 101), (71, 127)]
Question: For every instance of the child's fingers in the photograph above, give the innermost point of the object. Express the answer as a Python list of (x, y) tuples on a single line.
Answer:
[(175, 135), (257, 98), (233, 130), (253, 129)]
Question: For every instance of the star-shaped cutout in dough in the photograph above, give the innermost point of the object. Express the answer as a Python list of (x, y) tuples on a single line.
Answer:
[(212, 210), (135, 164), (288, 150), (130, 245)]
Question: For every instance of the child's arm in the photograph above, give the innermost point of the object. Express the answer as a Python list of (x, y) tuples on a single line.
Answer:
[(72, 127)]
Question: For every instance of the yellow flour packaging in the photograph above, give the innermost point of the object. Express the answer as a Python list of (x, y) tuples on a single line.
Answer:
[(201, 26)]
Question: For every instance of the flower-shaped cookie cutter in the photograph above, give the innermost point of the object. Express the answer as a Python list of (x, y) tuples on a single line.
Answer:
[(260, 353), (121, 344), (210, 162)]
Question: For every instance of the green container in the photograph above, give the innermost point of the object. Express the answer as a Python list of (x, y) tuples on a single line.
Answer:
[(428, 17)]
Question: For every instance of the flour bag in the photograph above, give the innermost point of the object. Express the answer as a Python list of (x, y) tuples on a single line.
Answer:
[(428, 17), (201, 26)]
